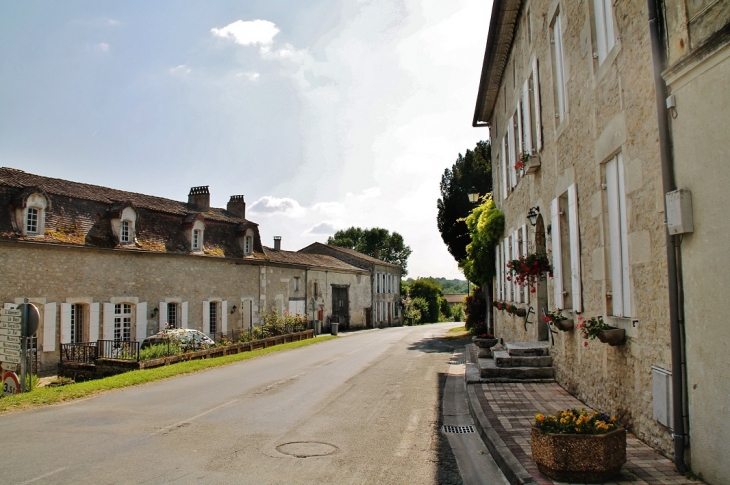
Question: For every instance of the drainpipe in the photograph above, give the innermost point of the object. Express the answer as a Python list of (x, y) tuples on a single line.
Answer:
[(668, 183)]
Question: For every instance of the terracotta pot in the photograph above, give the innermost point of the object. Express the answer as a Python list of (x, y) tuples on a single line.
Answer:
[(613, 336), (564, 325), (484, 343), (520, 312), (582, 458)]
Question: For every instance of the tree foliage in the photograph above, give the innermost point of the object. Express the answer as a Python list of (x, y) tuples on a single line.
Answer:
[(432, 294), (474, 169), (454, 286), (486, 225), (375, 242)]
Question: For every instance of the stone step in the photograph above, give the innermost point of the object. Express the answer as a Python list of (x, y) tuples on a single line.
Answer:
[(503, 359), (489, 370), (518, 349)]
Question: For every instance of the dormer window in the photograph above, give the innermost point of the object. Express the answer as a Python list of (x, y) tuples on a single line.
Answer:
[(31, 221), (124, 227), (30, 215), (124, 233), (196, 234)]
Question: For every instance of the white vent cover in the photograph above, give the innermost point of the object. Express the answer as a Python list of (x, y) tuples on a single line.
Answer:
[(662, 395)]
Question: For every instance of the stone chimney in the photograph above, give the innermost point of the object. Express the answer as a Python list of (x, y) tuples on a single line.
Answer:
[(277, 243), (199, 197), (237, 206), (377, 253)]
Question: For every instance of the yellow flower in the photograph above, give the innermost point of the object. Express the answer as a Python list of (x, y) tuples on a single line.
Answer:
[(540, 417)]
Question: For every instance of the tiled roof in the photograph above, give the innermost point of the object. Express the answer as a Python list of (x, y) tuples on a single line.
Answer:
[(318, 260), (454, 298), (19, 179), (356, 254)]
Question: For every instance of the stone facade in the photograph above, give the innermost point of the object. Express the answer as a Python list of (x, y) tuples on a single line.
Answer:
[(594, 135)]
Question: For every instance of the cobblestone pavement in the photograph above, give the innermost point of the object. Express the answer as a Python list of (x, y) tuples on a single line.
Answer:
[(510, 409)]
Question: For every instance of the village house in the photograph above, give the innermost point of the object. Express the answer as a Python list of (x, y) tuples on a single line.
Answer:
[(582, 125), (106, 264)]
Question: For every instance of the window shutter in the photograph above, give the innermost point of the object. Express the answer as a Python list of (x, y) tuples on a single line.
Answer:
[(574, 229), (65, 323), (49, 327), (526, 120), (93, 322), (598, 13), (206, 317), (504, 167), (520, 138), (141, 321), (536, 96), (557, 260), (184, 314), (224, 316), (524, 253), (162, 315), (625, 283), (516, 255), (498, 272), (511, 142), (108, 322), (508, 284)]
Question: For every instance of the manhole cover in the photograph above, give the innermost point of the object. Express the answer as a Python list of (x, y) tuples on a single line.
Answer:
[(457, 429), (306, 449)]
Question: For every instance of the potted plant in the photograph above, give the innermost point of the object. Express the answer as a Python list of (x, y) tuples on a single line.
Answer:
[(578, 446), (560, 321), (520, 312), (528, 270), (595, 327)]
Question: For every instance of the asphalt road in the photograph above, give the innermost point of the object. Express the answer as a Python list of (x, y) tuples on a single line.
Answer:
[(361, 409)]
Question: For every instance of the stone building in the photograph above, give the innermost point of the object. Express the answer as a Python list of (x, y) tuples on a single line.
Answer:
[(107, 264), (385, 283), (616, 105)]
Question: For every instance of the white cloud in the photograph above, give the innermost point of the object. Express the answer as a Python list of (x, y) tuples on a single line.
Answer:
[(251, 32), (330, 208), (274, 205), (323, 228), (251, 76), (371, 193), (181, 69), (102, 47)]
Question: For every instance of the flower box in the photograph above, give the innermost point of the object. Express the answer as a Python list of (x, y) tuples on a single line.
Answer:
[(581, 458), (564, 325), (532, 165), (520, 312), (612, 336)]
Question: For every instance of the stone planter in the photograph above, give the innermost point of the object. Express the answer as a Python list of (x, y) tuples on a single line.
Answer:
[(581, 458), (613, 336), (485, 346), (532, 165), (520, 312), (564, 325)]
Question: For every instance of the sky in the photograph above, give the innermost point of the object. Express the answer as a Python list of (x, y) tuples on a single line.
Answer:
[(324, 114)]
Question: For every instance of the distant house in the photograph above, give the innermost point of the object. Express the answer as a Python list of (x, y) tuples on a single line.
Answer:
[(454, 299), (385, 282), (106, 264)]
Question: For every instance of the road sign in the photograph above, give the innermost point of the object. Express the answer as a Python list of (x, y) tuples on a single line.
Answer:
[(30, 312), (10, 312), (13, 326), (8, 358), (10, 332), (10, 366), (9, 345), (11, 384), (8, 338), (10, 319)]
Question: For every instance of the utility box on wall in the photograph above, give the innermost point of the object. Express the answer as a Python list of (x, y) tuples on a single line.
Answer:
[(679, 212), (662, 396)]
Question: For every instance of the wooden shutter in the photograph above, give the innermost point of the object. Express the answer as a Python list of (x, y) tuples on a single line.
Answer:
[(625, 282), (520, 139), (498, 272), (516, 255), (508, 284), (557, 259), (93, 322), (65, 323), (504, 167), (224, 316), (511, 143), (206, 317), (524, 253), (618, 238), (536, 98), (162, 315), (184, 314), (526, 119), (140, 321), (49, 327), (574, 230), (108, 322)]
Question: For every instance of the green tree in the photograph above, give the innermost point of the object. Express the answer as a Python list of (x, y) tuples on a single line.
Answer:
[(473, 170), (375, 242), (432, 294)]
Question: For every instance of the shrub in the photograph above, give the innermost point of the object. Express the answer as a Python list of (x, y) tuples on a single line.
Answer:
[(475, 309)]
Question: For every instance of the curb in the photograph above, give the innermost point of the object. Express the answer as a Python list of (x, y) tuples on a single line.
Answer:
[(513, 470)]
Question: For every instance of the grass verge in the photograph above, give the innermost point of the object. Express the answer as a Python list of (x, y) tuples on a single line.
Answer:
[(53, 395), (457, 329)]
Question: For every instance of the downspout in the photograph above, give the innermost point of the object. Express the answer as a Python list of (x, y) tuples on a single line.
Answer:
[(667, 166)]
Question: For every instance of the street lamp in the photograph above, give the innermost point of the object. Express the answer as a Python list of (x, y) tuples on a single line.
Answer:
[(532, 215), (473, 195)]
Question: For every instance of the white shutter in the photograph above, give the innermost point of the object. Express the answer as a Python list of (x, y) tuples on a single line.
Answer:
[(504, 167), (617, 224), (516, 255), (65, 323), (508, 284), (140, 321), (598, 12), (526, 119), (557, 257), (574, 229), (49, 327), (93, 322), (512, 154), (162, 315), (224, 316), (625, 283), (520, 138), (184, 314), (536, 97), (108, 322), (206, 317), (498, 272), (524, 253)]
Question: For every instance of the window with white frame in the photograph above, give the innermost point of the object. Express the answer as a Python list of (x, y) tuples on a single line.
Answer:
[(31, 221), (565, 235), (173, 315), (248, 244), (77, 323), (31, 216), (618, 237), (556, 39), (605, 36), (123, 321), (197, 239), (124, 233), (213, 313)]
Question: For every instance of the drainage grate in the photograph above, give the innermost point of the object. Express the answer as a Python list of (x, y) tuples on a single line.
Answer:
[(457, 361), (457, 429)]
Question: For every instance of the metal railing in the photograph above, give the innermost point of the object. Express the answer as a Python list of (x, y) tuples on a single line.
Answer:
[(118, 349), (83, 352)]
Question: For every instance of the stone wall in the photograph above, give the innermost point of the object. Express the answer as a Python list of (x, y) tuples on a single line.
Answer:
[(610, 110)]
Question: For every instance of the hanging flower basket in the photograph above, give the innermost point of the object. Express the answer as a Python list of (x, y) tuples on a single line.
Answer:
[(530, 269)]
